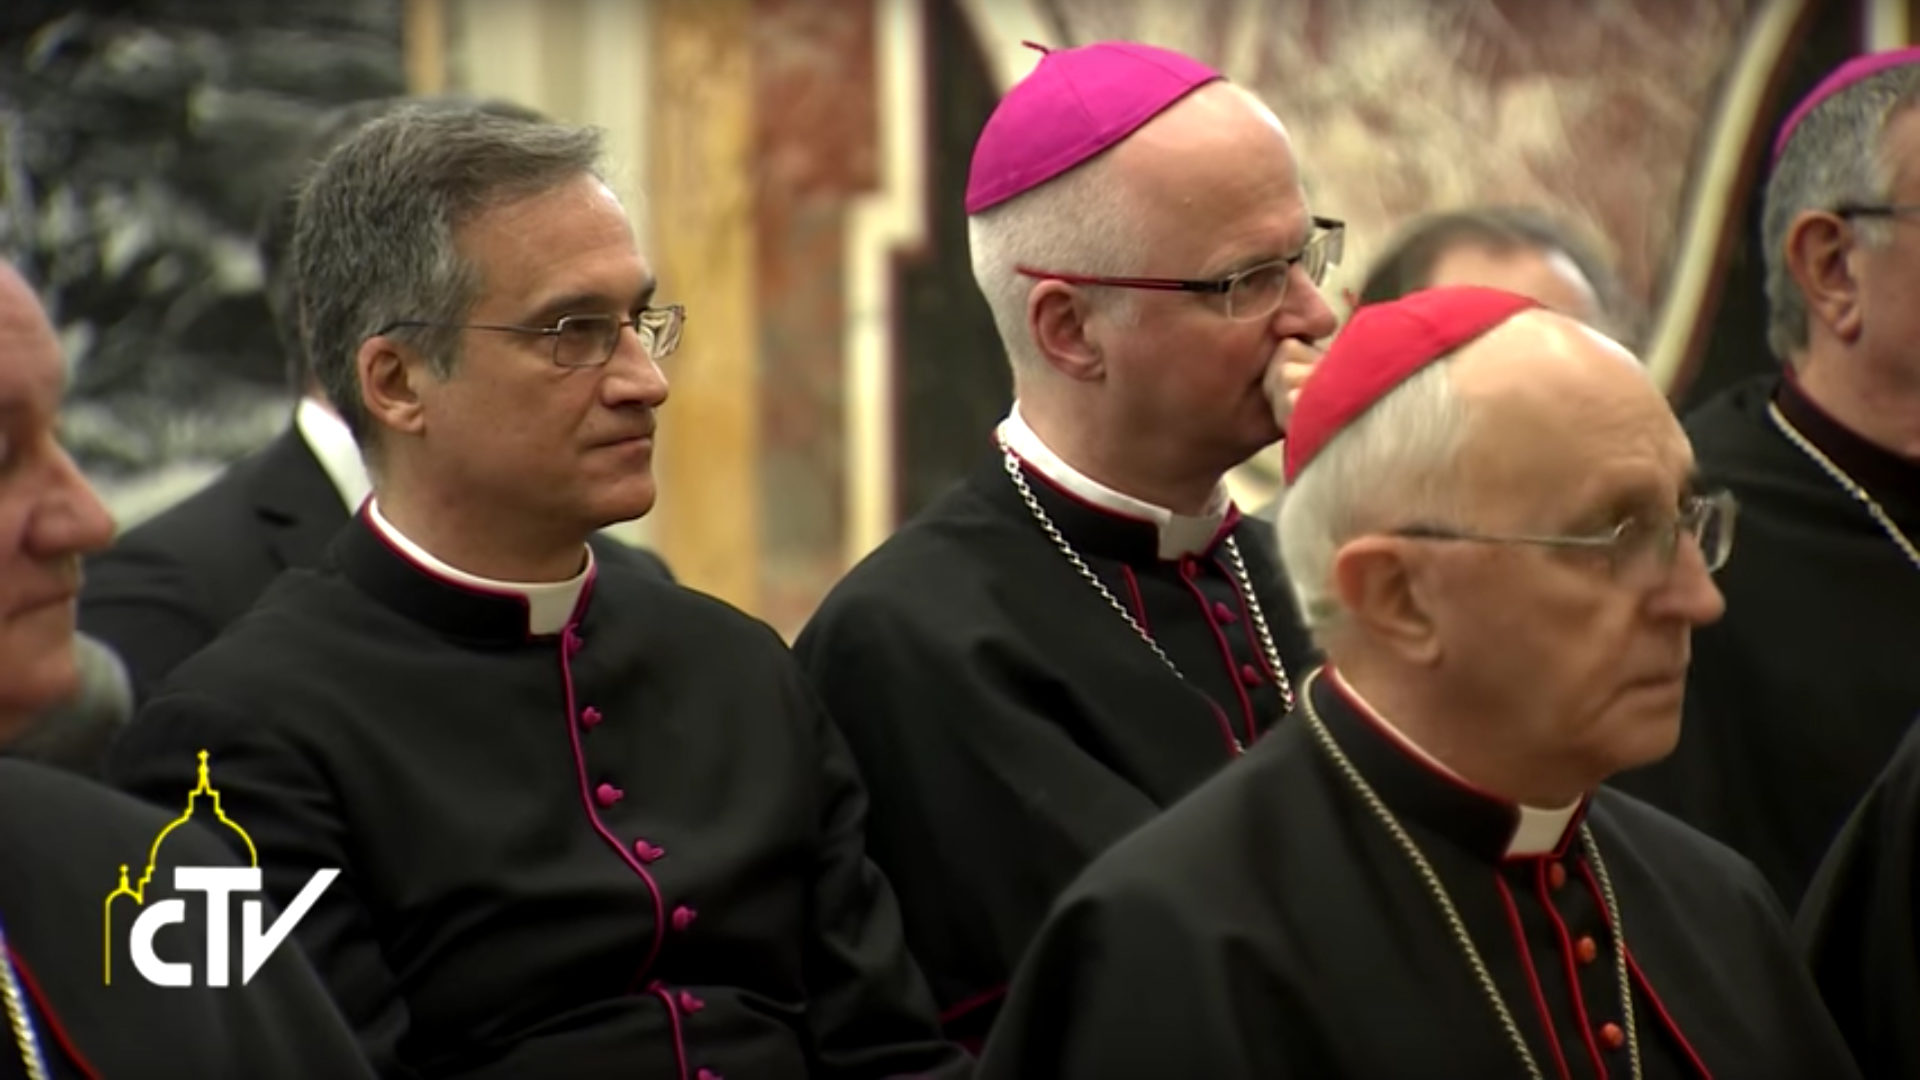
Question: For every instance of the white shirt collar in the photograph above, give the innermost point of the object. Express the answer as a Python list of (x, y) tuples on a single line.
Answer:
[(327, 436), (1539, 830), (549, 604), (1180, 534)]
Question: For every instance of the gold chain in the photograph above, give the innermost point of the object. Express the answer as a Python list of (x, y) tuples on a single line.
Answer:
[(1452, 915), (18, 1018), (1847, 483), (1239, 565)]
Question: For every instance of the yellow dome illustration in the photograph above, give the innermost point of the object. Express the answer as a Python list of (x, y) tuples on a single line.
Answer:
[(138, 892)]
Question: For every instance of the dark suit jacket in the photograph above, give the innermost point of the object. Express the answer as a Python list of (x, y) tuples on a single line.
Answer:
[(168, 587)]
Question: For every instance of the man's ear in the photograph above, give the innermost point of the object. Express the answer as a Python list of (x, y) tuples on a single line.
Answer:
[(1379, 580), (1819, 249), (391, 374), (1057, 317)]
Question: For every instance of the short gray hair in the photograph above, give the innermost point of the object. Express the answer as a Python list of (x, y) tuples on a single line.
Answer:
[(1083, 222), (374, 234), (1393, 466), (1836, 155)]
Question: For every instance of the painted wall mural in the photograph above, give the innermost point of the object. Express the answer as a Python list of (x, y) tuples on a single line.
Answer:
[(841, 369), (139, 143), (1638, 122)]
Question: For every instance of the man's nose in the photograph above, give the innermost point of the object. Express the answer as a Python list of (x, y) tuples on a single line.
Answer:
[(1305, 313), (1690, 591), (69, 518)]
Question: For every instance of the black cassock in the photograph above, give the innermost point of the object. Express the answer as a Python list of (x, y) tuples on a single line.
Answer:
[(632, 849), (62, 842), (1010, 723), (1798, 696), (1860, 922), (1271, 926)]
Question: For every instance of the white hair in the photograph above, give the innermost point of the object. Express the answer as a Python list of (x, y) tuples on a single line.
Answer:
[(1394, 466), (1085, 221)]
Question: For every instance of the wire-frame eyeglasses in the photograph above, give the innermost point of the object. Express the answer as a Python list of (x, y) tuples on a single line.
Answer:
[(1641, 550), (1253, 293), (586, 341), (1876, 210)]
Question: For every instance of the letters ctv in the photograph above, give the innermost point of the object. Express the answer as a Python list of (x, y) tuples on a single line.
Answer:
[(166, 959)]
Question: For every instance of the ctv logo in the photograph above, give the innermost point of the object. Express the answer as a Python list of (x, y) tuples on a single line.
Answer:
[(218, 885)]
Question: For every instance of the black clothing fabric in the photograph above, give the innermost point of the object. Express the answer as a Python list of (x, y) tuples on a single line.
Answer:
[(633, 848), (1798, 696), (62, 840), (1271, 926), (1010, 724)]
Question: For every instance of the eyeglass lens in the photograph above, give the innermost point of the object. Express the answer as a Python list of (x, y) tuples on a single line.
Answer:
[(591, 340), (1261, 292)]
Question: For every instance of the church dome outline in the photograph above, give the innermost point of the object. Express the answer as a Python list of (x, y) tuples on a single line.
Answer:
[(138, 893)]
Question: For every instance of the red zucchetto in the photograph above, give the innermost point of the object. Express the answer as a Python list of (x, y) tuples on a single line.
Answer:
[(1382, 346)]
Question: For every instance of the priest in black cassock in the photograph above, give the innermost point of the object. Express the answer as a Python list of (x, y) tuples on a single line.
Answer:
[(1492, 527), (589, 824), (172, 583), (1086, 627), (1799, 696), (62, 838)]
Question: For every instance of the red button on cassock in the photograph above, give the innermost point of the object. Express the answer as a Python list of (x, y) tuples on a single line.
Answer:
[(606, 795), (1612, 1037), (1586, 950), (1557, 876)]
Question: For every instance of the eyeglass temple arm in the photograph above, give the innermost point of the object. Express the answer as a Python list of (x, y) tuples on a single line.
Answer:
[(1430, 532)]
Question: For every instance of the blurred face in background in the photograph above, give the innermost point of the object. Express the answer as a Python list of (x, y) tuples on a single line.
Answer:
[(1543, 275)]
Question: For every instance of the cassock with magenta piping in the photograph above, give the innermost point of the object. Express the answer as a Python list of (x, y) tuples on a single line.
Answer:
[(593, 829)]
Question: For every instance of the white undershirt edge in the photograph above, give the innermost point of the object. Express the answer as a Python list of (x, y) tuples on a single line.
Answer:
[(1180, 534), (327, 436), (1539, 831)]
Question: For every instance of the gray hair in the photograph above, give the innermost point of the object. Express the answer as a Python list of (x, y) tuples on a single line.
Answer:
[(374, 235), (1082, 222), (274, 231), (1393, 466), (1836, 155)]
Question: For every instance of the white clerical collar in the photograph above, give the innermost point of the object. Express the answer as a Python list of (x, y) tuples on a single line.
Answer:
[(1539, 831), (327, 436), (1180, 534), (549, 604)]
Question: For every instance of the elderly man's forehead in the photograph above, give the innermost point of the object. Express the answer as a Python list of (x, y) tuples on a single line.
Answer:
[(1541, 346), (1545, 379)]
